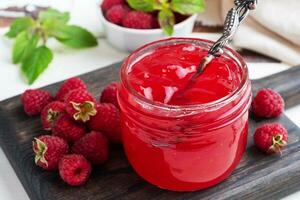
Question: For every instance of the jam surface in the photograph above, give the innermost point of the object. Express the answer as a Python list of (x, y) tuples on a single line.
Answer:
[(163, 75)]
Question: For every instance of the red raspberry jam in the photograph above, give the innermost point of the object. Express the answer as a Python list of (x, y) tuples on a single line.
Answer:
[(177, 137)]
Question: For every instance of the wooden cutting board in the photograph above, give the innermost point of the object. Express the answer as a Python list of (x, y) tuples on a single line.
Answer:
[(257, 177)]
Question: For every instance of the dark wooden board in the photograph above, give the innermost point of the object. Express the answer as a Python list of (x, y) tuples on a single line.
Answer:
[(257, 177)]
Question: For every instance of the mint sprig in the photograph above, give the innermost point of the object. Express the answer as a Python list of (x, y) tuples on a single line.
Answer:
[(31, 36), (40, 58), (54, 15), (144, 5), (19, 25), (23, 46), (75, 37), (166, 9), (187, 7), (166, 20)]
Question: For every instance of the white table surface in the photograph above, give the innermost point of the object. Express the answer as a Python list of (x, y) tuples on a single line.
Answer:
[(68, 63)]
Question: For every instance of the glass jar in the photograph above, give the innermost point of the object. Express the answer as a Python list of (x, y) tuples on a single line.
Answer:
[(184, 148)]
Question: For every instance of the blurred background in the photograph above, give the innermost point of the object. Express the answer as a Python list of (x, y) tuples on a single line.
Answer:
[(272, 29)]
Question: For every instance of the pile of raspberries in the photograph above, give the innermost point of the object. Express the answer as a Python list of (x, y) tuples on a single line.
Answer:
[(80, 128), (118, 12)]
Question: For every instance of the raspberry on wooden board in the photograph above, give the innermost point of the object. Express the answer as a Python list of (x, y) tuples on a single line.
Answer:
[(50, 113), (107, 120), (34, 100), (48, 151), (80, 105), (267, 103), (93, 146), (271, 137), (74, 169), (69, 85), (68, 129), (109, 94)]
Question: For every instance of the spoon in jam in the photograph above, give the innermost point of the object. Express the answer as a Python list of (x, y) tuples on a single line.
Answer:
[(232, 21)]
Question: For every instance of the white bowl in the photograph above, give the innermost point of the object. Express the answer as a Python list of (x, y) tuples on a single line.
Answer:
[(128, 39)]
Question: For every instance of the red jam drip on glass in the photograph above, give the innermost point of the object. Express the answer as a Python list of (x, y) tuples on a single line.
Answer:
[(162, 75), (183, 150)]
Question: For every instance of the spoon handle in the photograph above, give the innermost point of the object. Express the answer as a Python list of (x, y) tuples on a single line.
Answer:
[(232, 21)]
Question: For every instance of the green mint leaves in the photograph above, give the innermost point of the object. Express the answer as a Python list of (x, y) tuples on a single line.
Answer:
[(23, 46), (19, 25), (166, 20), (31, 35), (144, 5), (75, 37), (38, 61), (166, 9), (187, 7), (53, 15)]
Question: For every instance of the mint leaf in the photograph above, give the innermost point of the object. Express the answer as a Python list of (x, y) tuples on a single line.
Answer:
[(52, 14), (36, 63), (75, 36), (23, 46), (52, 20), (56, 29), (144, 5), (166, 21), (188, 7), (29, 32), (19, 25)]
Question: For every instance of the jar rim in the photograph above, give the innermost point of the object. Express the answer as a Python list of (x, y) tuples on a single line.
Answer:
[(216, 103)]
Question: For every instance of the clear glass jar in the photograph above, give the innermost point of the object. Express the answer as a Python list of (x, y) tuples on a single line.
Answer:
[(184, 148)]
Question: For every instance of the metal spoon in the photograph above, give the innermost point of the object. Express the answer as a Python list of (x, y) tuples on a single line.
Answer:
[(233, 19)]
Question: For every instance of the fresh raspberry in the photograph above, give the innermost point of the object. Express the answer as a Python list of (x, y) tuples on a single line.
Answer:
[(107, 4), (48, 151), (50, 113), (35, 100), (93, 146), (109, 94), (267, 103), (138, 20), (69, 85), (68, 129), (80, 105), (271, 138), (107, 120), (116, 13), (74, 169)]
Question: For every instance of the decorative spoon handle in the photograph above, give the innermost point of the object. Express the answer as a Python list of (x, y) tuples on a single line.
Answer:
[(233, 19)]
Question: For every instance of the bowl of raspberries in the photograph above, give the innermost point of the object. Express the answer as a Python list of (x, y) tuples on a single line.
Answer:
[(129, 24)]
